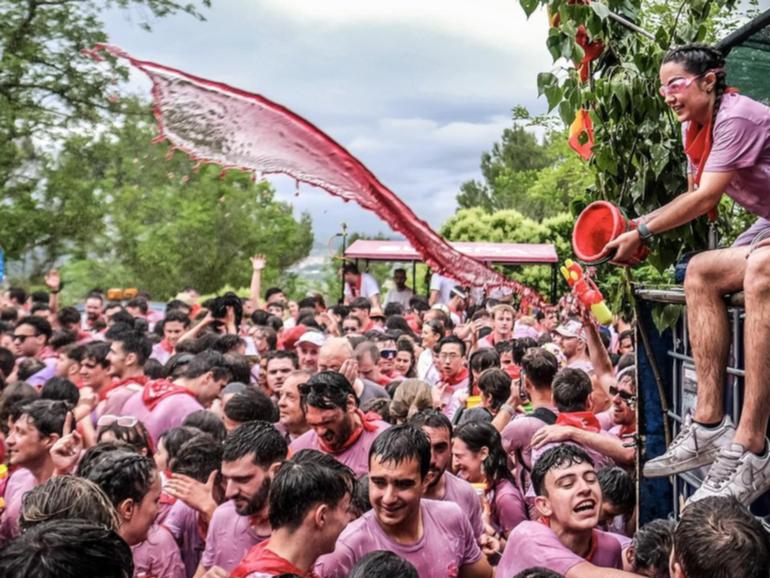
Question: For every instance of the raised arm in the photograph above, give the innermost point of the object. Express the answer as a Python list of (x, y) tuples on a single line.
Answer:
[(257, 264)]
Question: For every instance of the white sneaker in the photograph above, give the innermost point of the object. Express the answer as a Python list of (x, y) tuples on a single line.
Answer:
[(695, 446), (738, 473)]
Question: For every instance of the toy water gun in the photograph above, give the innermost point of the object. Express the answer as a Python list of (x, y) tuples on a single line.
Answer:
[(587, 291)]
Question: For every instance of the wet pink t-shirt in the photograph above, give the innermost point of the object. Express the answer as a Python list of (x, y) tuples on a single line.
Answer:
[(517, 436), (742, 144), (20, 482), (229, 537), (158, 556), (356, 457), (535, 544), (182, 522), (447, 543), (170, 412), (507, 508), (462, 493)]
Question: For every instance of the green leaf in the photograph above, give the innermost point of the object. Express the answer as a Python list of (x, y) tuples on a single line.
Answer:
[(529, 6), (546, 80), (665, 316), (554, 96), (601, 10)]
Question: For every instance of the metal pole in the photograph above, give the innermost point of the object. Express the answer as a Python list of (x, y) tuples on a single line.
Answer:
[(342, 271), (415, 291), (630, 25)]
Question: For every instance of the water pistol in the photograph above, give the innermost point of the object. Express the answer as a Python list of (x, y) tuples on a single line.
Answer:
[(586, 290)]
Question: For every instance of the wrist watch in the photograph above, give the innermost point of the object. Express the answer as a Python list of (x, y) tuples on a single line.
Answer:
[(644, 232)]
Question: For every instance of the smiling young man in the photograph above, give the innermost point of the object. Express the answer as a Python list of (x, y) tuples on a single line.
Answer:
[(444, 485), (503, 317), (435, 536), (127, 355), (252, 455), (338, 427), (565, 539), (309, 507)]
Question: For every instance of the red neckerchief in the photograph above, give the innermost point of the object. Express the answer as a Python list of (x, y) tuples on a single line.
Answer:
[(627, 430), (261, 559), (355, 289), (698, 143), (455, 379), (584, 420), (367, 424), (545, 520), (156, 391), (166, 346), (167, 499), (139, 380), (513, 371)]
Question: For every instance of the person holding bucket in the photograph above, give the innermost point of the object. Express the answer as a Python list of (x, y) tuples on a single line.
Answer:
[(727, 141)]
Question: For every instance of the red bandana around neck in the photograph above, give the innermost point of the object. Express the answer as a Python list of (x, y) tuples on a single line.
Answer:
[(584, 420), (367, 424), (455, 379), (140, 380), (261, 559), (156, 391)]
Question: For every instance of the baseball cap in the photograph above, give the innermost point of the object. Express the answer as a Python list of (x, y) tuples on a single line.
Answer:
[(312, 337), (571, 328)]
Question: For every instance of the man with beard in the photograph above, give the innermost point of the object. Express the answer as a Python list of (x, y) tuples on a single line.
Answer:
[(338, 427), (30, 340), (94, 309), (443, 485), (571, 338), (435, 536), (565, 539), (252, 455)]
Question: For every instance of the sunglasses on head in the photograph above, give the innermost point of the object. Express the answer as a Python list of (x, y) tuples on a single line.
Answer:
[(123, 421), (388, 353), (624, 395)]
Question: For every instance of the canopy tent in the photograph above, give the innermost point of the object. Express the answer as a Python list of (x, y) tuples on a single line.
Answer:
[(487, 253), (748, 58)]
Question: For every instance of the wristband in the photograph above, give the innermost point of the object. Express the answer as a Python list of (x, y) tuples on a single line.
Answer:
[(508, 408), (55, 292), (644, 232)]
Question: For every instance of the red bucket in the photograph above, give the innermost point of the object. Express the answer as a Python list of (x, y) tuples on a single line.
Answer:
[(598, 224)]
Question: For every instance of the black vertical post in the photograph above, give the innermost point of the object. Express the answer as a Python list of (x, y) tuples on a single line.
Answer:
[(342, 270)]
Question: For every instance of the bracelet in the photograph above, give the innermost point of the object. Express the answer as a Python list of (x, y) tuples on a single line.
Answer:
[(644, 232), (508, 408), (54, 292)]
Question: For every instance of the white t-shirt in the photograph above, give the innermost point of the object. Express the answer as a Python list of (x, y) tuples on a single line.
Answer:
[(369, 287), (401, 297), (444, 286)]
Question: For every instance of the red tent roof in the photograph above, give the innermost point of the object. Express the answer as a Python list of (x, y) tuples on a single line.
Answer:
[(511, 253)]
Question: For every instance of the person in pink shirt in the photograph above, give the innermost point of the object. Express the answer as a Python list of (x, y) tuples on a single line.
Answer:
[(32, 436), (478, 458), (435, 536), (252, 455), (565, 540), (452, 387), (174, 325), (503, 317), (309, 507), (338, 427), (30, 339), (128, 352), (444, 485), (292, 419), (163, 404)]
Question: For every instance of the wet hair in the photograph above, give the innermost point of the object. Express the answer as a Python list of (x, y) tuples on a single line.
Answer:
[(720, 538), (74, 351), (270, 336), (452, 340), (394, 309), (699, 59), (359, 501), (652, 548), (227, 343), (404, 344), (67, 548), (433, 419), (282, 354), (97, 452), (198, 457), (40, 325), (67, 497), (380, 406), (29, 367), (540, 366), (136, 343), (18, 294), (400, 443), (62, 389), (139, 303), (176, 315), (47, 415), (98, 350), (14, 397), (7, 361), (383, 564), (308, 479), (207, 422), (479, 434), (177, 364), (251, 405), (496, 385), (174, 438), (68, 316), (136, 436), (272, 291), (571, 388), (484, 358), (537, 572), (561, 456), (256, 438), (153, 368), (618, 487), (396, 322), (326, 390), (123, 475), (207, 361)]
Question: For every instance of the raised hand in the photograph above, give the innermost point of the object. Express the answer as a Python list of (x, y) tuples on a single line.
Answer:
[(66, 451), (258, 262), (197, 495), (53, 280)]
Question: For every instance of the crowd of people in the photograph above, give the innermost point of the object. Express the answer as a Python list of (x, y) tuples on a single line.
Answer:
[(390, 435)]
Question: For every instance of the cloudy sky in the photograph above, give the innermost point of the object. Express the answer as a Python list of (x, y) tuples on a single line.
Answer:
[(415, 89)]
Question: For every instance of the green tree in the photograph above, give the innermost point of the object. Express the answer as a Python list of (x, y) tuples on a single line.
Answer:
[(47, 89), (160, 225)]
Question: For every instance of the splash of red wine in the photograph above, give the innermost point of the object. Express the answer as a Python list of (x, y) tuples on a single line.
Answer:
[(216, 123)]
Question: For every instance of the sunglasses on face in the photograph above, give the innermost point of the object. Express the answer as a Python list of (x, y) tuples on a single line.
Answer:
[(22, 338), (624, 395), (679, 85), (388, 353)]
